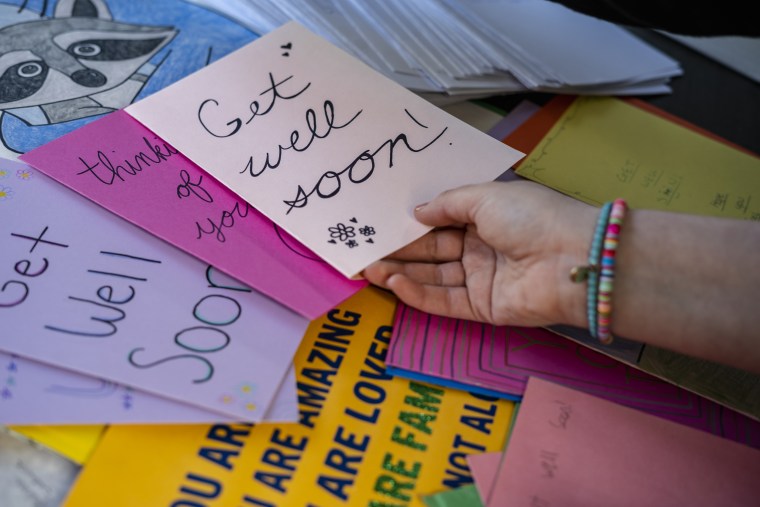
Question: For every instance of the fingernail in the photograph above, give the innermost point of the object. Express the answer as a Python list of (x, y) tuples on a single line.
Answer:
[(419, 207)]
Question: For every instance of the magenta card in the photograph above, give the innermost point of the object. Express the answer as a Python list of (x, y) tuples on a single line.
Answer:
[(501, 358), (124, 167)]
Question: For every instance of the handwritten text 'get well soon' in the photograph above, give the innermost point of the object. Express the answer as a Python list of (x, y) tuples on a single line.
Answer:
[(318, 125)]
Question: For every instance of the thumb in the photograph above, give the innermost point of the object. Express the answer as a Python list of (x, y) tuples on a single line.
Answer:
[(452, 207)]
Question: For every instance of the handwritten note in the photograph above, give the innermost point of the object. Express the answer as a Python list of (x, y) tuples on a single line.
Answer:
[(83, 290), (36, 393), (571, 449), (324, 146), (653, 162), (122, 166)]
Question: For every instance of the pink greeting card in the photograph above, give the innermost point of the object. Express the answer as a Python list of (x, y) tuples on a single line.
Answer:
[(326, 147), (572, 449), (484, 468)]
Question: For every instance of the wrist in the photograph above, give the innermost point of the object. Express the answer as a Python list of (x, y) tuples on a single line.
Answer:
[(576, 239)]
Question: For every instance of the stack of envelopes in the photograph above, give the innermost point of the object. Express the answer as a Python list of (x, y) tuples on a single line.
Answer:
[(460, 49)]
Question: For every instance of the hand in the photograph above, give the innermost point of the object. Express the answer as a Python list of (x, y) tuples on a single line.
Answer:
[(501, 253)]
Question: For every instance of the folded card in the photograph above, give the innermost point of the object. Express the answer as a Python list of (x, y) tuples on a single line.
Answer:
[(323, 145)]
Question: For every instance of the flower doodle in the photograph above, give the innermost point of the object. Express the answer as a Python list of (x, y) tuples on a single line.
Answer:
[(24, 174), (341, 232), (5, 193), (347, 234)]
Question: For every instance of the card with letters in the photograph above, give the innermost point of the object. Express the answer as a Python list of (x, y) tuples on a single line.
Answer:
[(125, 168), (33, 393), (323, 145), (83, 290)]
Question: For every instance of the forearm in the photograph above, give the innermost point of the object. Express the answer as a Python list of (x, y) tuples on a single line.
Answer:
[(684, 283), (690, 284)]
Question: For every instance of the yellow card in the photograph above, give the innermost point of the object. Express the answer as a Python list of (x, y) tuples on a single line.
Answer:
[(603, 148), (364, 438)]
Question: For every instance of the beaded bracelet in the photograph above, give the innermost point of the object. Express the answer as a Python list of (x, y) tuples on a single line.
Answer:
[(607, 273), (591, 271), (594, 257)]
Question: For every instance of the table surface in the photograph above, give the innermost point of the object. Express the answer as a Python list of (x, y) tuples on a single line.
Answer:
[(708, 94)]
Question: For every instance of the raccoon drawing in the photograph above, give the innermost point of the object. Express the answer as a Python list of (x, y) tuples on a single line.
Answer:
[(76, 64)]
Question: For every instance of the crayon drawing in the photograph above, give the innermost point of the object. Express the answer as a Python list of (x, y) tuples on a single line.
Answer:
[(65, 63)]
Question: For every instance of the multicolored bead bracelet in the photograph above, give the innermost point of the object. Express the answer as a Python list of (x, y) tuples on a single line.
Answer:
[(600, 270), (607, 273)]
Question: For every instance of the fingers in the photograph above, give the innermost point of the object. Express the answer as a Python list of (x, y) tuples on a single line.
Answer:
[(436, 246), (449, 301), (449, 274)]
